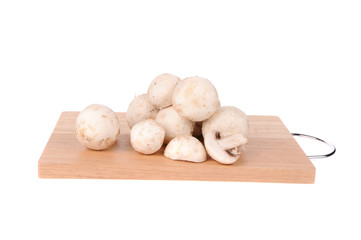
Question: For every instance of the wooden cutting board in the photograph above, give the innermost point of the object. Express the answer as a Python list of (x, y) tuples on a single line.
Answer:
[(272, 155)]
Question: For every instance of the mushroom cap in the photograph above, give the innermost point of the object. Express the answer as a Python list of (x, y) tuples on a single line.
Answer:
[(161, 89), (195, 98), (97, 127), (147, 136), (173, 123), (186, 148), (227, 120), (140, 109)]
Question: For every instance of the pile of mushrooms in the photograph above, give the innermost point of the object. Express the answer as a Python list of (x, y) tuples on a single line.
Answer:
[(187, 116)]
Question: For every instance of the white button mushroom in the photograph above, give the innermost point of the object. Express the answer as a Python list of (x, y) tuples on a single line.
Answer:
[(225, 134), (97, 127), (173, 124), (140, 109), (161, 89), (227, 120), (147, 136), (195, 98), (186, 148)]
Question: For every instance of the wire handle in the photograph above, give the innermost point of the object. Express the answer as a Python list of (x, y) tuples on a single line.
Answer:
[(318, 139)]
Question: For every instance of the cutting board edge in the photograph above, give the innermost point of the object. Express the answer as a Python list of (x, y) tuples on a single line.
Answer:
[(265, 175)]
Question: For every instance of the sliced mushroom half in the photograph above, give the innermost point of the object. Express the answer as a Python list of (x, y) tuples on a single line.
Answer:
[(186, 148)]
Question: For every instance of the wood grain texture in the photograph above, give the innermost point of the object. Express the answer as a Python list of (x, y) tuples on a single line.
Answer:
[(272, 155)]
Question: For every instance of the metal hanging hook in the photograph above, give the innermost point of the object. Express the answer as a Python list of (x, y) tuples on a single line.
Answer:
[(318, 139)]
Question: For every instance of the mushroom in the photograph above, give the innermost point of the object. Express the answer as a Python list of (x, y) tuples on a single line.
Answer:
[(186, 148), (173, 123), (140, 109), (225, 134), (161, 89), (97, 127), (195, 98), (147, 136), (227, 120)]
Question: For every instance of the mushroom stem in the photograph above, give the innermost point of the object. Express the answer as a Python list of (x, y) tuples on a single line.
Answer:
[(232, 141), (226, 150)]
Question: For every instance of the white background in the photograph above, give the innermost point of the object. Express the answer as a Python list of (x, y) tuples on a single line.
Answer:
[(299, 60)]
